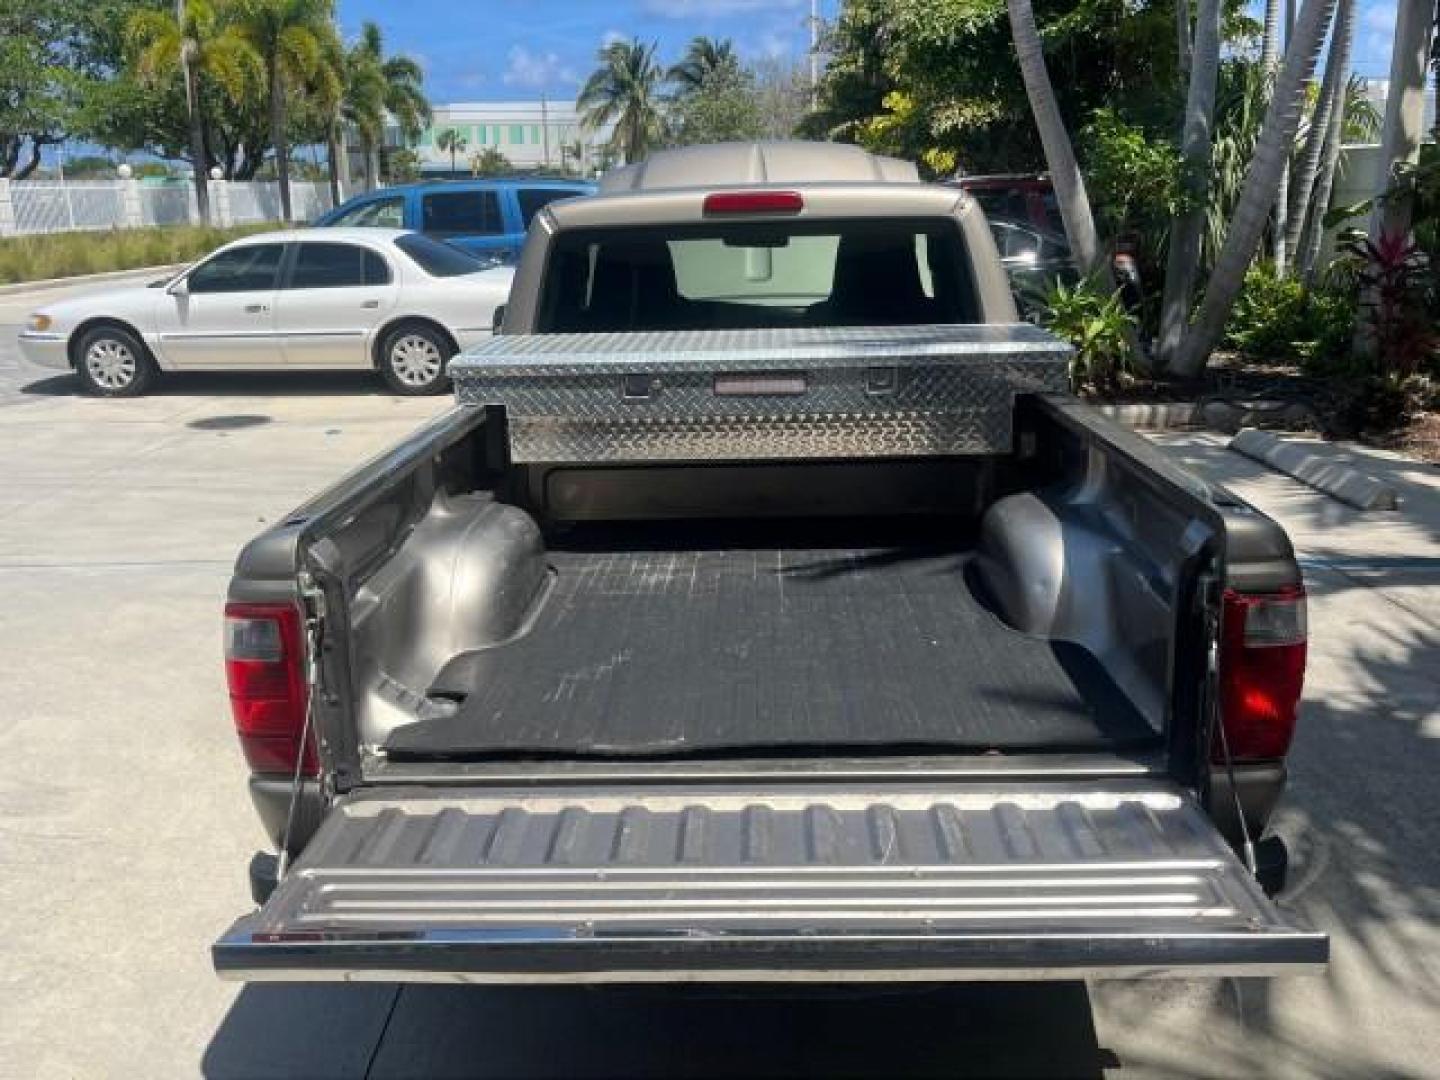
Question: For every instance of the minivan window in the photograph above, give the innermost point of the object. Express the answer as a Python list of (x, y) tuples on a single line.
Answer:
[(437, 259), (749, 275), (461, 213), (337, 266), (251, 268), (386, 213)]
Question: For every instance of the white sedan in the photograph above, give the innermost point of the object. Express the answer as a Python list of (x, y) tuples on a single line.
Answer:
[(367, 299)]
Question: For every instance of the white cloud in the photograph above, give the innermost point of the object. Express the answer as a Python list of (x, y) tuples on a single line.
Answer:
[(612, 37), (535, 70), (712, 9)]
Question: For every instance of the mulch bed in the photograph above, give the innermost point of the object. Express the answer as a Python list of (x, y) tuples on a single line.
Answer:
[(1235, 391)]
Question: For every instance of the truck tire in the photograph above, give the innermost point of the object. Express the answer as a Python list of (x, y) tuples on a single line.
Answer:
[(112, 362), (413, 358)]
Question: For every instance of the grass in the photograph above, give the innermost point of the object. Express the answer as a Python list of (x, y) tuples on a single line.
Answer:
[(53, 255)]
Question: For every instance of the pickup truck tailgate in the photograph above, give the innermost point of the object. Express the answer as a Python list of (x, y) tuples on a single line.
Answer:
[(657, 883)]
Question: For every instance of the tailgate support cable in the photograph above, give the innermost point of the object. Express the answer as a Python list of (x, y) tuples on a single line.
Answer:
[(1247, 844), (312, 599)]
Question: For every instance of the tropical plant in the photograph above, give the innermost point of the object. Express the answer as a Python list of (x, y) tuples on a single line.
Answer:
[(452, 142), (1134, 180), (292, 37), (1395, 279), (624, 91), (1277, 318), (704, 58), (197, 41), (402, 95), (1257, 197), (489, 162), (723, 107), (1097, 325)]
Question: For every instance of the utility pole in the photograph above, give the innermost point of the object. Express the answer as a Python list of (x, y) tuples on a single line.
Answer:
[(545, 127)]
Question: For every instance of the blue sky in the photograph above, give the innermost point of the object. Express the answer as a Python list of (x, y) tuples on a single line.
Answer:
[(509, 49), (512, 49)]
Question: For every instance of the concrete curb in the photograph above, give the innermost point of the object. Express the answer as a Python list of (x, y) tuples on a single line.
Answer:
[(1349, 485), (85, 279)]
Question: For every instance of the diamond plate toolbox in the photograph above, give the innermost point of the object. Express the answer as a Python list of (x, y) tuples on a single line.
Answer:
[(844, 392)]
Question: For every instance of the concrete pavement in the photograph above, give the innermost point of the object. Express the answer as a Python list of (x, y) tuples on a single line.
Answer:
[(124, 827)]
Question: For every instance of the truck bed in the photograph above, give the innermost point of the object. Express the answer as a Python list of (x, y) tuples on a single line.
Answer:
[(704, 639)]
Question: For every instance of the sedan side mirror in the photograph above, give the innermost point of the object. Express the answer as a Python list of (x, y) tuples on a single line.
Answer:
[(179, 287), (497, 320)]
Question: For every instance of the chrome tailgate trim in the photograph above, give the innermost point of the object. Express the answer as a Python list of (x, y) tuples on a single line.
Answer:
[(781, 883)]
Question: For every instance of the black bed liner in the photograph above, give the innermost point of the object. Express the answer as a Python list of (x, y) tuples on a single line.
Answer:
[(701, 641)]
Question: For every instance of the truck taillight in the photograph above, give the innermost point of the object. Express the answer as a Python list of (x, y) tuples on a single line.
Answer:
[(753, 202), (265, 667), (1262, 671)]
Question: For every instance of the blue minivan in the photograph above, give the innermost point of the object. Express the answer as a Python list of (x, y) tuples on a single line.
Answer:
[(487, 217)]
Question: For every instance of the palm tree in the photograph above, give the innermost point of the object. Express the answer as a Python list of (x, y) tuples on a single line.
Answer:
[(623, 91), (1257, 196), (1183, 259), (353, 100), (450, 139), (704, 57), (402, 84), (291, 36), (1059, 153), (1270, 63), (202, 45), (1330, 104)]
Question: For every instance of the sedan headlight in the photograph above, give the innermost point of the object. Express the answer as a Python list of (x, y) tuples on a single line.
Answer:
[(39, 321)]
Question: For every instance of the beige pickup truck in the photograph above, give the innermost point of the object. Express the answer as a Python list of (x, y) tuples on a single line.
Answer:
[(766, 609)]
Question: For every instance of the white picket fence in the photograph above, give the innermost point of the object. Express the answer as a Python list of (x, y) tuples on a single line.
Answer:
[(31, 207)]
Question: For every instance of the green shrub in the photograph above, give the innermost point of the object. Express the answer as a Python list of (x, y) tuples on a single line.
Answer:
[(54, 255), (1278, 319), (1097, 325)]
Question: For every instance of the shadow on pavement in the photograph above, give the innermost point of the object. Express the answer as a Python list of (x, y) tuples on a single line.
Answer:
[(234, 384), (975, 1030)]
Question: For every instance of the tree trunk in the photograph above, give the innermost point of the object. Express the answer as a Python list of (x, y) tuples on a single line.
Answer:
[(1257, 195), (1331, 104), (1404, 110), (372, 165), (24, 171), (1269, 62), (1183, 39), (1183, 261), (277, 137), (199, 159), (1307, 259), (1059, 154)]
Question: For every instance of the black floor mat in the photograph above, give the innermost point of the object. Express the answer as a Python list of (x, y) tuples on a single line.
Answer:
[(653, 653)]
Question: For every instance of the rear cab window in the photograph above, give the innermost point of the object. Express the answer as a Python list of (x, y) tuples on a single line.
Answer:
[(748, 275), (461, 213)]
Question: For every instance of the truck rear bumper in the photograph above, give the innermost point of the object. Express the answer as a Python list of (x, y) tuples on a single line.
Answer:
[(1041, 881)]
